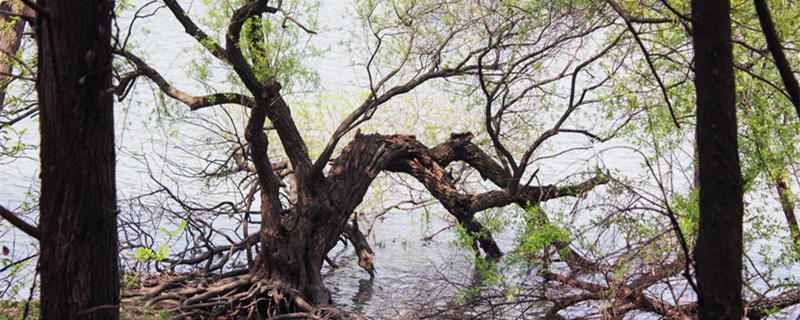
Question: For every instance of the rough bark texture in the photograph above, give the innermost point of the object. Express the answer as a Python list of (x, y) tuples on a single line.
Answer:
[(79, 263), (718, 252), (10, 37)]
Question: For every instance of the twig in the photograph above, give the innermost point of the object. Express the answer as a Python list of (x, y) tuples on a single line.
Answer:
[(286, 16), (30, 296), (627, 18)]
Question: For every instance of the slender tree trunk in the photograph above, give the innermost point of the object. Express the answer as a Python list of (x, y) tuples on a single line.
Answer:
[(718, 252), (79, 261), (10, 38), (784, 193)]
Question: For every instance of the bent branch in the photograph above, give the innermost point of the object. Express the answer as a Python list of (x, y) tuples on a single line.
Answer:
[(194, 102)]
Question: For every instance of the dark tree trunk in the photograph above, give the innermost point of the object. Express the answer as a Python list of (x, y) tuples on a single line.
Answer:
[(10, 39), (718, 252), (293, 245), (79, 261)]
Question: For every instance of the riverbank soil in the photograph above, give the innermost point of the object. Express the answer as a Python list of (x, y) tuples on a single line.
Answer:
[(131, 309)]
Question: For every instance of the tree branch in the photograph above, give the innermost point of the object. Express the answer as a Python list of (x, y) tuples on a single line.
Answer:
[(267, 92), (628, 17), (194, 103), (775, 47), (25, 113), (758, 309), (193, 30), (405, 154), (373, 102), (628, 22), (235, 57), (14, 220), (460, 148), (272, 230), (571, 107), (366, 156), (364, 251)]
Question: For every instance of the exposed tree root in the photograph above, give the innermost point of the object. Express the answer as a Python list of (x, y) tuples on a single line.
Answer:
[(191, 296)]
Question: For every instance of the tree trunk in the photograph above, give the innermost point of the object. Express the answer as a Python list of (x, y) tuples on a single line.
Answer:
[(787, 204), (718, 252), (10, 38), (290, 253), (79, 261)]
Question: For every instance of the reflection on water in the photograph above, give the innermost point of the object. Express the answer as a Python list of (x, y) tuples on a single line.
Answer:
[(407, 269), (364, 294)]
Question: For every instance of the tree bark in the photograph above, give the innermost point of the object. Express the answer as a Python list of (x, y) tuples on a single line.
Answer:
[(718, 252), (10, 38), (79, 261)]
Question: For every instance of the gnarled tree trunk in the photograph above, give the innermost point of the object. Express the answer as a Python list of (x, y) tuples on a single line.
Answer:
[(294, 246)]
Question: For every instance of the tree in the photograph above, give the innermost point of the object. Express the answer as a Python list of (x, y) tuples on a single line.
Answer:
[(638, 71), (776, 49), (494, 52), (792, 90), (718, 263), (78, 209), (521, 74), (766, 138), (296, 235), (13, 16)]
